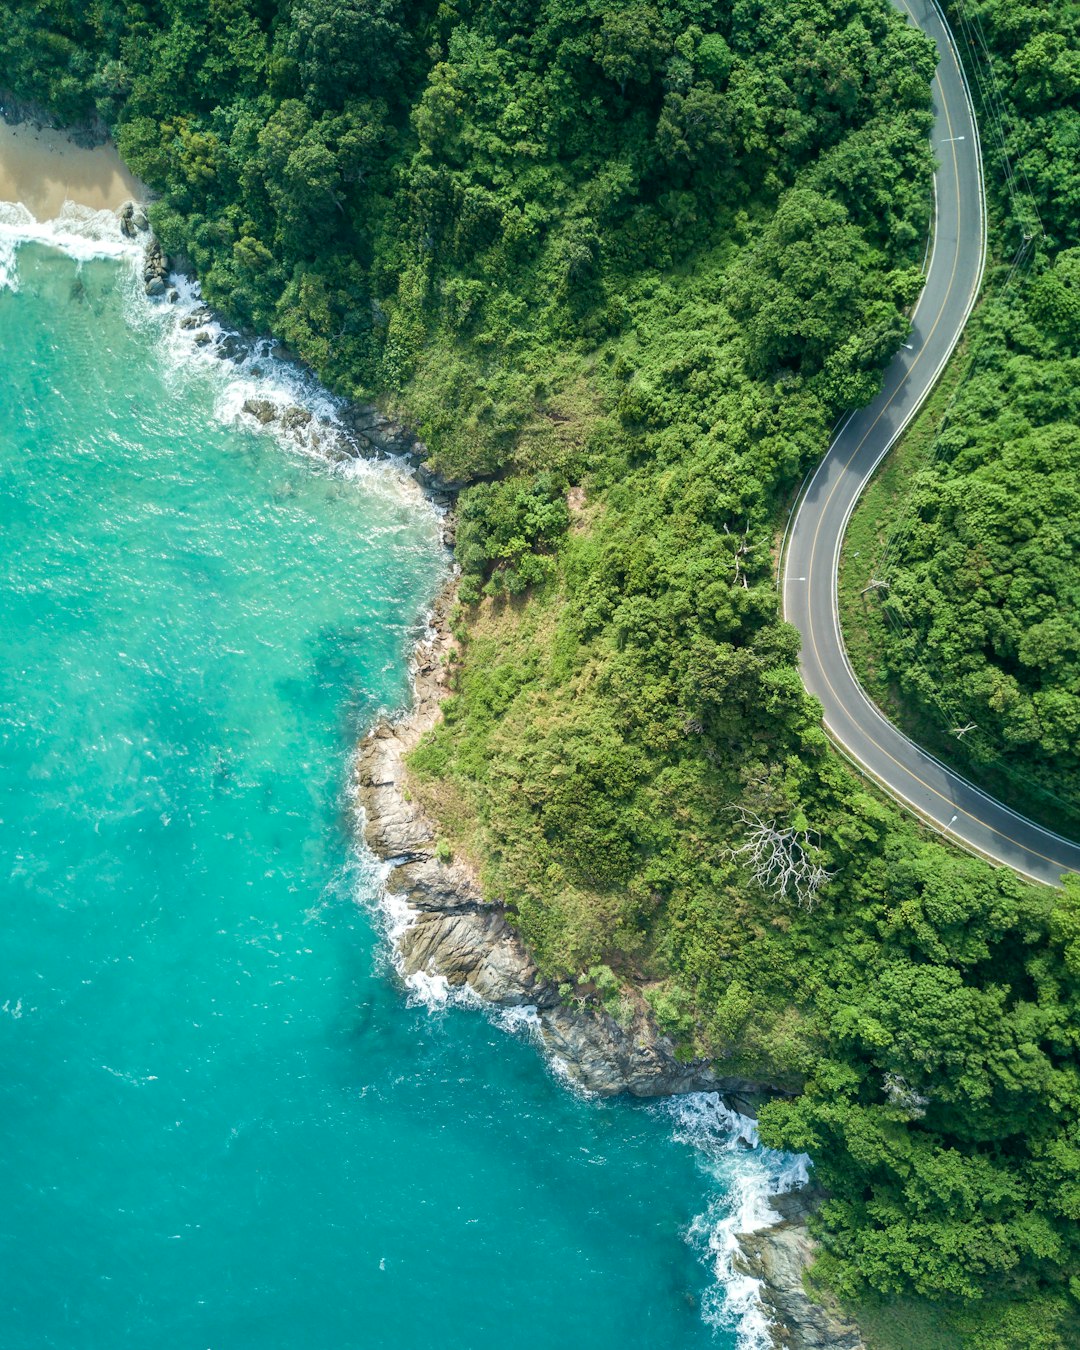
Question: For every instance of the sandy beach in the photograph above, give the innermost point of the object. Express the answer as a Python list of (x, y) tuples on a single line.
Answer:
[(43, 168)]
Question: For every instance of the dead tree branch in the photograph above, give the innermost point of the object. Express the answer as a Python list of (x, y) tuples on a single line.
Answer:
[(781, 860)]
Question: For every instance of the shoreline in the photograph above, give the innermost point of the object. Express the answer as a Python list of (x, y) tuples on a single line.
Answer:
[(43, 167), (442, 932), (445, 930), (449, 931)]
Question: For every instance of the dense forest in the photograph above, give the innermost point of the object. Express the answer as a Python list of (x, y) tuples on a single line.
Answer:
[(624, 266), (981, 626)]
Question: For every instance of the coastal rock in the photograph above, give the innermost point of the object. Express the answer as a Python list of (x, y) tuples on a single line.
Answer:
[(232, 347), (632, 1055), (455, 933), (778, 1257), (477, 948), (155, 264), (294, 418), (436, 482), (133, 221), (376, 433), (261, 409), (155, 287)]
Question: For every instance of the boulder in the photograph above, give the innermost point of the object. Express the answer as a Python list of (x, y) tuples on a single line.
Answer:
[(374, 430), (155, 286), (294, 417), (232, 347), (261, 409), (434, 482), (779, 1257)]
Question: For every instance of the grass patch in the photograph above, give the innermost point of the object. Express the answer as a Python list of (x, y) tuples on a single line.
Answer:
[(1040, 1323)]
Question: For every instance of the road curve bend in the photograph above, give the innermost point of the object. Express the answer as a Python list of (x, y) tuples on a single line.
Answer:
[(857, 727)]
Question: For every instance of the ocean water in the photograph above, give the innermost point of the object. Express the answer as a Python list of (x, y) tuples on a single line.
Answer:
[(225, 1124)]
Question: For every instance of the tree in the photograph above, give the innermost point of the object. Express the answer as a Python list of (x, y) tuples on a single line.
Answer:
[(630, 45)]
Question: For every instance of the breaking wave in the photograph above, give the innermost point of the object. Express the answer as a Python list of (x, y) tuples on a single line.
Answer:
[(746, 1175), (253, 384)]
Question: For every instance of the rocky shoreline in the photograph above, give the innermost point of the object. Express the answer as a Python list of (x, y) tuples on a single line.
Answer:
[(778, 1257), (452, 932), (359, 430)]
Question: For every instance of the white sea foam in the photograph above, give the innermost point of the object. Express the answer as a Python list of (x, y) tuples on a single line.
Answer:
[(9, 267), (747, 1174), (255, 373), (79, 231), (245, 372), (367, 878), (394, 915), (523, 1021), (136, 1080), (436, 993)]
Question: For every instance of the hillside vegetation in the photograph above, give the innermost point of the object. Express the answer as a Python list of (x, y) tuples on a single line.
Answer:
[(624, 266)]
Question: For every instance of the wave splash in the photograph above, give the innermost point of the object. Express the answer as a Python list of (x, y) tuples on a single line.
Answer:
[(78, 231), (743, 1173), (747, 1174), (191, 342)]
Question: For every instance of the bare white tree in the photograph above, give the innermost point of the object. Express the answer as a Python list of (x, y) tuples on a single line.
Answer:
[(900, 1094), (741, 550), (781, 860)]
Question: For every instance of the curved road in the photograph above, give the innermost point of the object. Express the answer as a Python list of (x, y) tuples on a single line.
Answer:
[(954, 274)]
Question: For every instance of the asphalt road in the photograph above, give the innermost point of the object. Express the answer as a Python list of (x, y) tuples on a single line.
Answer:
[(954, 274)]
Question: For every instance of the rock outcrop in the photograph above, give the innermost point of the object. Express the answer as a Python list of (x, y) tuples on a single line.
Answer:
[(778, 1257), (261, 409), (133, 220), (454, 932), (155, 268), (375, 434)]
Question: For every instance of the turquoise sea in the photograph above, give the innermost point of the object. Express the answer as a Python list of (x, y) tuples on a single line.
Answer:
[(225, 1124)]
